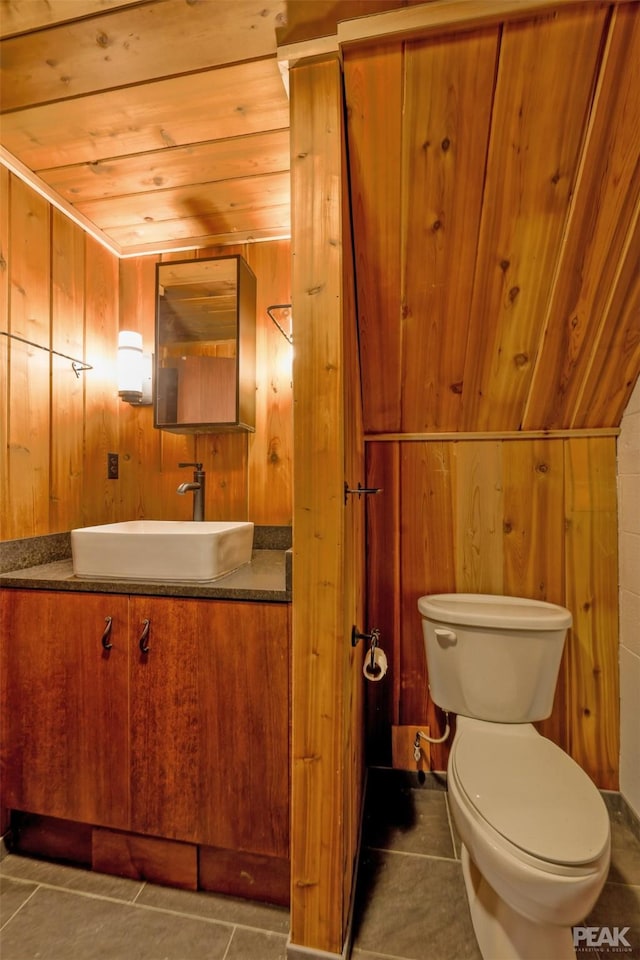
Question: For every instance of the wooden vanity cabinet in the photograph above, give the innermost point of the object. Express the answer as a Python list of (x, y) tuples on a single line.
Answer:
[(187, 741), (210, 724), (65, 743)]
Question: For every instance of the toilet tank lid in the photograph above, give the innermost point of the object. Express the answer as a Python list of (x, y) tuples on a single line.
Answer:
[(491, 610)]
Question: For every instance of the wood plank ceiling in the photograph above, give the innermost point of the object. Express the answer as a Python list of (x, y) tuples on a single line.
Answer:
[(164, 124)]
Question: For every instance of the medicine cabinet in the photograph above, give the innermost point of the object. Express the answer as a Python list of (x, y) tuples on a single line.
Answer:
[(205, 349)]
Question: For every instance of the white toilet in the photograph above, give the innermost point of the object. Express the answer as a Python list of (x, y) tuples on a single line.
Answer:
[(534, 828)]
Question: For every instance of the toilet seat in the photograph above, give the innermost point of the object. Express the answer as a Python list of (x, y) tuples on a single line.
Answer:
[(531, 793)]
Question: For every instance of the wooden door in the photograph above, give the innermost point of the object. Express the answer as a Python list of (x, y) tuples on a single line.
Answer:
[(327, 762), (210, 723), (65, 731)]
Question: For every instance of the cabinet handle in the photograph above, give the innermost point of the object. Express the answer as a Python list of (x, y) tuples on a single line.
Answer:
[(106, 642), (144, 646)]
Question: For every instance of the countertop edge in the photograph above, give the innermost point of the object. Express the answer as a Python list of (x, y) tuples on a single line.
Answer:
[(266, 579)]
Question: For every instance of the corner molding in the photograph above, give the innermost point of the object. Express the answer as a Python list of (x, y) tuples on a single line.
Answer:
[(44, 190)]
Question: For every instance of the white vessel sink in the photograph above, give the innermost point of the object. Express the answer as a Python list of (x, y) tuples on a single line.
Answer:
[(160, 550)]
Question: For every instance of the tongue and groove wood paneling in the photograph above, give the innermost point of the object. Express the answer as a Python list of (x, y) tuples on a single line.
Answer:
[(495, 200), (101, 52), (600, 234), (495, 195), (530, 175), (62, 289), (532, 518)]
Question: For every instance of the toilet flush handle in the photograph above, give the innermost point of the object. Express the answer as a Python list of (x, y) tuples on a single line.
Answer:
[(446, 638)]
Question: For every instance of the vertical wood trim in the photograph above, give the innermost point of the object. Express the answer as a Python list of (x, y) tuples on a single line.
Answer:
[(354, 565), (447, 115), (592, 596), (374, 84), (138, 442), (29, 367), (319, 645), (427, 565), (384, 592), (534, 537), (4, 348), (67, 390), (100, 496), (478, 509), (271, 446)]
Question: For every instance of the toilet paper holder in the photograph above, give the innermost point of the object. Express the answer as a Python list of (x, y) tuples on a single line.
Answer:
[(373, 638)]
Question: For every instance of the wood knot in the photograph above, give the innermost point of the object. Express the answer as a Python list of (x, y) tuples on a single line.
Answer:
[(521, 360), (446, 143), (456, 387), (504, 265), (513, 293)]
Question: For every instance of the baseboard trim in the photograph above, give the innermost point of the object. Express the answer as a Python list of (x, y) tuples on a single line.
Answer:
[(296, 952), (617, 804)]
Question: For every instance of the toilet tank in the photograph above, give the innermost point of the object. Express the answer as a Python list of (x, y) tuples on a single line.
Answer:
[(492, 657)]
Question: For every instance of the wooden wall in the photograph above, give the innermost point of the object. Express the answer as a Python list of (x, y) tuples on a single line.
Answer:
[(328, 535), (533, 518), (496, 203), (60, 288)]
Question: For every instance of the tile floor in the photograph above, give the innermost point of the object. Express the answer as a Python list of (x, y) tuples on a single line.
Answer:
[(410, 903)]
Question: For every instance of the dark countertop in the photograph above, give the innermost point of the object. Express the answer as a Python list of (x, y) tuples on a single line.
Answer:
[(267, 578)]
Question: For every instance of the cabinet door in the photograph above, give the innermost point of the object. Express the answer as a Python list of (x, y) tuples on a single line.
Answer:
[(210, 724), (65, 732)]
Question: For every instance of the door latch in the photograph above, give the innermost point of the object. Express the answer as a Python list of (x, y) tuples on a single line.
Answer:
[(359, 490)]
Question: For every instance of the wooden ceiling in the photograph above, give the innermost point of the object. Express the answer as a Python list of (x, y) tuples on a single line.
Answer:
[(160, 125)]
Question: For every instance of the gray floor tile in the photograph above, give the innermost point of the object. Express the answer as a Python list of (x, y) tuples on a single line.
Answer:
[(60, 925), (410, 906), (414, 821), (358, 954), (262, 916), (618, 906), (625, 853), (410, 903), (13, 894), (254, 945), (70, 878)]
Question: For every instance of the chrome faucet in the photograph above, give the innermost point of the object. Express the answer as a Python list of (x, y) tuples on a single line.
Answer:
[(198, 489)]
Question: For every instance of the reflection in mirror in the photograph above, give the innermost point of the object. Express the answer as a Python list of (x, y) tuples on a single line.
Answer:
[(205, 345)]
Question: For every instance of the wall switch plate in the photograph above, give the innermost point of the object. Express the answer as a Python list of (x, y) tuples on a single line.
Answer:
[(112, 466)]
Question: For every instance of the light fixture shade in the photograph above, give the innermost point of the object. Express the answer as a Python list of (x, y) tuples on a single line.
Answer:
[(130, 366)]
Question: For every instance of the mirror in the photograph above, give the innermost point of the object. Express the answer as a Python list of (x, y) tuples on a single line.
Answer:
[(205, 354)]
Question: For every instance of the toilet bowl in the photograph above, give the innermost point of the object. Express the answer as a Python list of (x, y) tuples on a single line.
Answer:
[(534, 829), (536, 839)]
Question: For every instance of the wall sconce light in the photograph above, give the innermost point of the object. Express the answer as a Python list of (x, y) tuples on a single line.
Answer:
[(134, 370), (285, 324)]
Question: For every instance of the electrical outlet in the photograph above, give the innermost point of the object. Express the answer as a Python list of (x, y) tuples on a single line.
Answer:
[(112, 466)]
